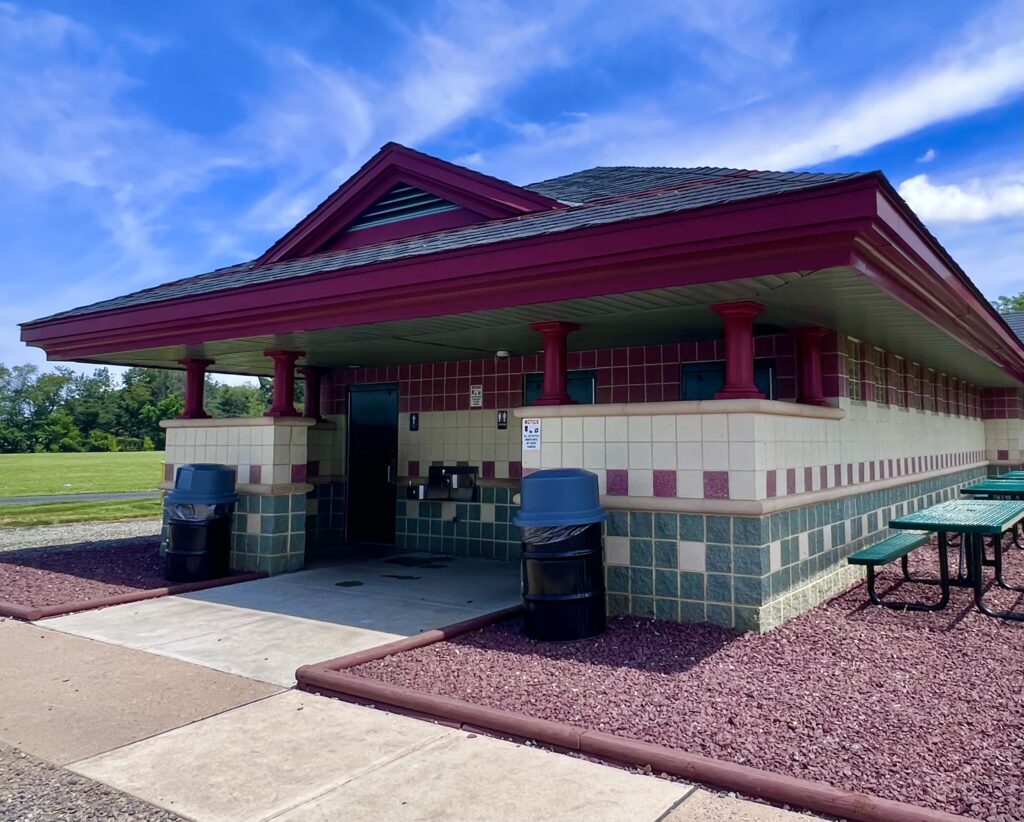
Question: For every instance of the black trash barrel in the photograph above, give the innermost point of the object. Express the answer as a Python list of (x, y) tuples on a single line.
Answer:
[(563, 556), (200, 510)]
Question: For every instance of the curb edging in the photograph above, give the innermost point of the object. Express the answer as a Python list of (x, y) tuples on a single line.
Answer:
[(330, 678), (32, 613)]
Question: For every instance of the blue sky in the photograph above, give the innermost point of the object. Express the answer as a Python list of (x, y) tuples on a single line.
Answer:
[(141, 142)]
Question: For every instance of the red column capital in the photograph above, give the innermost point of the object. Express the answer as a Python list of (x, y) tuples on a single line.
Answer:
[(195, 382), (556, 359), (283, 404), (313, 378), (739, 349), (808, 345)]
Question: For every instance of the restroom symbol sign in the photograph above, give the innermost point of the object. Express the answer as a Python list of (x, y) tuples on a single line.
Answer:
[(531, 434)]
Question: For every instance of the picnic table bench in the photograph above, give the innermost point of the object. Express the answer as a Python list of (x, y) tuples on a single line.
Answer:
[(899, 547)]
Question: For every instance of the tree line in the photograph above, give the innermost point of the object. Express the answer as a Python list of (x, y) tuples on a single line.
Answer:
[(65, 410)]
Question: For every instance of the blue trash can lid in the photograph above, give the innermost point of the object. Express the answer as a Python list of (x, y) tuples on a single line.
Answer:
[(560, 496), (204, 482)]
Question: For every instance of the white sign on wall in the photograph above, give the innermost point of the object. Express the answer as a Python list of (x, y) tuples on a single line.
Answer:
[(531, 434), (476, 396)]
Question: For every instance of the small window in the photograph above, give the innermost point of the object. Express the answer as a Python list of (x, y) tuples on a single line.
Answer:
[(853, 369), (881, 378), (702, 380), (581, 386)]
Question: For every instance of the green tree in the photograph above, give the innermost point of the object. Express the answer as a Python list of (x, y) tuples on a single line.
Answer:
[(1006, 305)]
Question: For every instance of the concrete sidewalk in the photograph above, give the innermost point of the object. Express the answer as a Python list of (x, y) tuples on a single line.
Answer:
[(268, 628), (212, 746)]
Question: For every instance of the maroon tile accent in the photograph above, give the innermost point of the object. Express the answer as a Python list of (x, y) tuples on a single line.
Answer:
[(168, 472), (487, 469), (837, 475), (790, 480), (664, 483), (299, 473), (1002, 454), (414, 468), (716, 485), (255, 474), (618, 482), (515, 470), (770, 482), (823, 475), (808, 478)]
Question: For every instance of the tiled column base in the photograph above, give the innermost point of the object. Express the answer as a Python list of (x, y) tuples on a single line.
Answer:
[(269, 533), (751, 573), (325, 515), (464, 529)]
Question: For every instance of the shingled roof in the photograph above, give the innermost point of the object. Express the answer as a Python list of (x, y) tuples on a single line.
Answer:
[(597, 196), (1015, 319)]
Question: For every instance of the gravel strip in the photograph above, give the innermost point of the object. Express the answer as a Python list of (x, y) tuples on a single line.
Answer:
[(920, 708), (35, 791), (36, 577), (14, 539)]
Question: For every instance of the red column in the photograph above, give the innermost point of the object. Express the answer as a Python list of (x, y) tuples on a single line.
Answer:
[(284, 383), (555, 362), (195, 382), (808, 347), (739, 349), (312, 376)]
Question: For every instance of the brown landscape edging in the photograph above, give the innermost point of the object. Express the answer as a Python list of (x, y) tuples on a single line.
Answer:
[(31, 614), (329, 678)]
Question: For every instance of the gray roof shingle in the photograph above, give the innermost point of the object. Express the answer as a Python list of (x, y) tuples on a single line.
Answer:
[(601, 196), (1015, 319)]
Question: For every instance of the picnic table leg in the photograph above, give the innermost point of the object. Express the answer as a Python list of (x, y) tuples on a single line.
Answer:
[(997, 563), (977, 555), (916, 606)]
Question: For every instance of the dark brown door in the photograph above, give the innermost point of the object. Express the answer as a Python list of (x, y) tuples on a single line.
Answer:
[(372, 463)]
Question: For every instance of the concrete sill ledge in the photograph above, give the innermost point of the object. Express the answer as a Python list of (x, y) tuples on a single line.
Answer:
[(654, 409), (263, 490), (238, 422)]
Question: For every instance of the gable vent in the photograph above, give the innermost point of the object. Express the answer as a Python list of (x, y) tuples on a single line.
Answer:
[(401, 203)]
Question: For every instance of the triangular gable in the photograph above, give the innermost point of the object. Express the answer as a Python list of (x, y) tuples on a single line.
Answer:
[(403, 193)]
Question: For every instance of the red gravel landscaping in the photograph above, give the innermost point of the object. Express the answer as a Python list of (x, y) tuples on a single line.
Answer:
[(920, 708), (38, 577)]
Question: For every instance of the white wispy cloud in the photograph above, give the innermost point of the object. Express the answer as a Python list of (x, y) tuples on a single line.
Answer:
[(928, 156), (974, 200)]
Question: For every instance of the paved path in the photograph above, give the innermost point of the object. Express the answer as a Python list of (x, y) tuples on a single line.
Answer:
[(79, 498), (266, 629), (212, 746)]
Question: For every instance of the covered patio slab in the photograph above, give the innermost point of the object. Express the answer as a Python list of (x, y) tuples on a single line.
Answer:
[(266, 629)]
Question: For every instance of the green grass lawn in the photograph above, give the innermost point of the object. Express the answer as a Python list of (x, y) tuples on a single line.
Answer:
[(52, 513), (26, 475)]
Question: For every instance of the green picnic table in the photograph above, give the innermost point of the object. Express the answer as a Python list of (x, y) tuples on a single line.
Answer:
[(974, 519), (1010, 475), (996, 489)]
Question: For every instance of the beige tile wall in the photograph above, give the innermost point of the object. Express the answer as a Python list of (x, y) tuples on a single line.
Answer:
[(746, 445), (327, 444), (272, 444), (458, 436), (1004, 436)]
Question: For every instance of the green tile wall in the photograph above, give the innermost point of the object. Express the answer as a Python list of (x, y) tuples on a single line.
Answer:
[(465, 529), (739, 577)]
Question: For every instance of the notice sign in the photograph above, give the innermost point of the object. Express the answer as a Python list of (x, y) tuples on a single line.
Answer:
[(476, 396), (531, 434)]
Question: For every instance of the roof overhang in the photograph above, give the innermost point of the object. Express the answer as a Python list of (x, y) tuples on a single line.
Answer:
[(860, 224)]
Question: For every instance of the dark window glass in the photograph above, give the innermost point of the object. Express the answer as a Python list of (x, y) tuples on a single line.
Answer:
[(702, 380), (580, 385)]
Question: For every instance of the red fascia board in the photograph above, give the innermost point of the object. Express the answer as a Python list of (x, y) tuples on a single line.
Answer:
[(914, 236), (799, 231), (394, 163)]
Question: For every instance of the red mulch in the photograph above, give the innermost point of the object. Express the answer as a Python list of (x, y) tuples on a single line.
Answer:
[(38, 577), (920, 708)]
